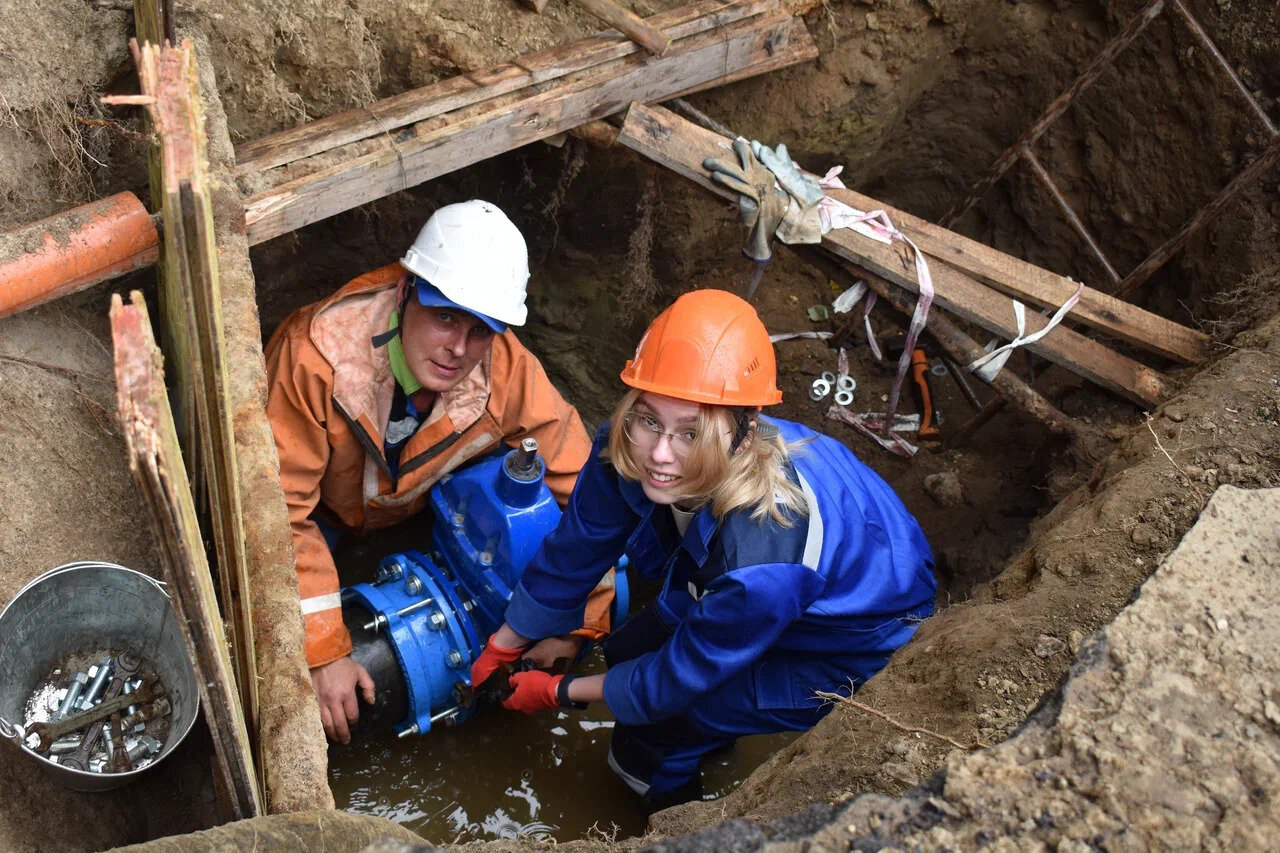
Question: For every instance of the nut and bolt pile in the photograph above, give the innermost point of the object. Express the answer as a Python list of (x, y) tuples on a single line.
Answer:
[(89, 721)]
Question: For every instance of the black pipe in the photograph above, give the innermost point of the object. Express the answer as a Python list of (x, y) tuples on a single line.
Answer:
[(373, 651)]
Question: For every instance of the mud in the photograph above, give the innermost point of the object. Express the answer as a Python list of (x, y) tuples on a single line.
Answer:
[(915, 100)]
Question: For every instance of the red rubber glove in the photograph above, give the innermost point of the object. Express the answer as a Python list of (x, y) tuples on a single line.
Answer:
[(490, 659), (535, 690)]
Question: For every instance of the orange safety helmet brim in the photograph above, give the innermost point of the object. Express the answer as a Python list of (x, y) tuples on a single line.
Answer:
[(709, 346)]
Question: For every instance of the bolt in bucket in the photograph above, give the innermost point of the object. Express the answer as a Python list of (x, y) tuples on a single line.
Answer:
[(89, 606)]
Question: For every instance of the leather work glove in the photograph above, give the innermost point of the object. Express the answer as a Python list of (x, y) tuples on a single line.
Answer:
[(800, 224), (762, 204), (535, 690), (490, 659)]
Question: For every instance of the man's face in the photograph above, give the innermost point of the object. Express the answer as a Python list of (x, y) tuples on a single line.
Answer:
[(442, 345)]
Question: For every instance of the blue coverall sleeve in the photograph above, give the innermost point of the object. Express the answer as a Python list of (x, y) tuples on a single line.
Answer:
[(728, 629), (591, 536)]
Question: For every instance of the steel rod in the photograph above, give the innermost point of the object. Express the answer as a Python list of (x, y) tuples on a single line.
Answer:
[(1086, 79), (962, 382), (1030, 158), (1238, 184), (1223, 65)]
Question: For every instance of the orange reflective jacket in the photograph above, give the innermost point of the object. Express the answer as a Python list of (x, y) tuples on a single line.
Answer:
[(329, 400)]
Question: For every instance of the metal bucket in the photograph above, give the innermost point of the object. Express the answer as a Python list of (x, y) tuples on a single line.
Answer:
[(90, 605)]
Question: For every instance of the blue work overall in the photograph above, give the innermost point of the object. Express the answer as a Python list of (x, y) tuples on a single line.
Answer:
[(753, 616)]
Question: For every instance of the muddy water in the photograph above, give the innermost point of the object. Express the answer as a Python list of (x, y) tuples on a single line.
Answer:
[(502, 774)]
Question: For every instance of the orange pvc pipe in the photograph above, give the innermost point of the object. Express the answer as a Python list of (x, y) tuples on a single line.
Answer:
[(73, 250)]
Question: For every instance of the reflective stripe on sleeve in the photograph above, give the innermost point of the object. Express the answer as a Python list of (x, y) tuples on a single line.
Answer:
[(321, 602)]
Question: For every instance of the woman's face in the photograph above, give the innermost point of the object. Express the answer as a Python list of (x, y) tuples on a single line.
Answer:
[(661, 430)]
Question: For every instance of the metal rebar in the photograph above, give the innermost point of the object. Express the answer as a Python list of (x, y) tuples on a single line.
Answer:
[(1068, 211), (962, 382), (1221, 62), (1238, 184), (1101, 63)]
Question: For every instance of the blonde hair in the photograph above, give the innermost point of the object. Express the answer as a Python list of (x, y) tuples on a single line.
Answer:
[(753, 478)]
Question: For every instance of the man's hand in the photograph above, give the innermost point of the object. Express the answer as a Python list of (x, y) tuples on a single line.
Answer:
[(335, 686), (546, 652), (491, 658), (535, 690)]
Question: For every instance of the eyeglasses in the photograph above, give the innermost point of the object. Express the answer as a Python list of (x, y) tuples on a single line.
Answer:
[(645, 431)]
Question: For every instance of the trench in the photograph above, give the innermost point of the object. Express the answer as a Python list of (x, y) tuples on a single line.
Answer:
[(597, 280)]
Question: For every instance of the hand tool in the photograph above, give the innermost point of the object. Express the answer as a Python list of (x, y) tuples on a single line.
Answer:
[(47, 733)]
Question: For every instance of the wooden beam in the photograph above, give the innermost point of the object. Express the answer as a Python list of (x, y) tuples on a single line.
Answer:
[(438, 147), (168, 76), (1035, 286), (682, 146), (391, 114), (630, 24), (290, 747), (155, 460)]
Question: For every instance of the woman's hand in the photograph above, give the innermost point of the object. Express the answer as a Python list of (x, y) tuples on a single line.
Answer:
[(535, 690), (497, 652), (546, 652)]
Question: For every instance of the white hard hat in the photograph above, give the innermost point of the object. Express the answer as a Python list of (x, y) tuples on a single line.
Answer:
[(473, 254)]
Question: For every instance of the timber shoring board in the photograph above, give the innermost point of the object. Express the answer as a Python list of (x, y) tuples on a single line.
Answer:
[(190, 273), (155, 459), (391, 114), (1037, 286), (682, 146), (290, 747), (501, 125)]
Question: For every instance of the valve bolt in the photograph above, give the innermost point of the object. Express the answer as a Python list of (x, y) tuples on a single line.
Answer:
[(413, 585), (455, 658)]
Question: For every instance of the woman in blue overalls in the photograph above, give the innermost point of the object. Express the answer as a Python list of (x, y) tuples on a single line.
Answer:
[(790, 567)]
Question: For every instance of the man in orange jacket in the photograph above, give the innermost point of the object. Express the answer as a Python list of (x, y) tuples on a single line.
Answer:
[(405, 374)]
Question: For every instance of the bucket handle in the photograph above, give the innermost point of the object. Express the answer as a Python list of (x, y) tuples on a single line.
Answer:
[(11, 731), (86, 564)]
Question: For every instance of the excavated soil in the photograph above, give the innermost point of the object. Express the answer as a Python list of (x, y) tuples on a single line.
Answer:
[(915, 98)]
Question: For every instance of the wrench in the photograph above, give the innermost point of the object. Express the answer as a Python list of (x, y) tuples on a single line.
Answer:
[(126, 666), (47, 733), (158, 708), (120, 762)]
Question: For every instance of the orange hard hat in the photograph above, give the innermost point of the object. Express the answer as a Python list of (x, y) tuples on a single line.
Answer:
[(709, 346)]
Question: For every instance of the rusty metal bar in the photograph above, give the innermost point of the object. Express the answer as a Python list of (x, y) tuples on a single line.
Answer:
[(1086, 79), (1223, 65), (1238, 184), (1031, 160)]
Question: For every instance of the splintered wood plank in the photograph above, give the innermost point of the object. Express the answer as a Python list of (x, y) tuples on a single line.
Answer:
[(391, 114), (168, 75), (445, 147), (1044, 289), (682, 146), (155, 459)]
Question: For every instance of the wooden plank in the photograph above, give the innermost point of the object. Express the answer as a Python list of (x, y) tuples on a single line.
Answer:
[(391, 114), (190, 273), (289, 742), (504, 126), (682, 146), (651, 38), (155, 459), (1044, 289)]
